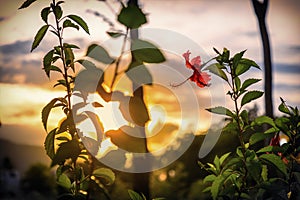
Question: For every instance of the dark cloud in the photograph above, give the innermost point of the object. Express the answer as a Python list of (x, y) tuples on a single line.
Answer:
[(19, 47), (287, 87), (287, 68), (251, 33), (31, 70), (295, 48), (2, 19)]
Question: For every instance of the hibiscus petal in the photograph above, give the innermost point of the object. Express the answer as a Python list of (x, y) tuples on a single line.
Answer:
[(196, 61), (186, 55)]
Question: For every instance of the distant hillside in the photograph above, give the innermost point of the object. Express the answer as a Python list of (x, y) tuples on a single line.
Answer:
[(22, 156)]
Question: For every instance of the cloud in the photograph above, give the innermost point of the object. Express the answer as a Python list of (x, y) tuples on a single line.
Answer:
[(2, 19), (287, 68), (295, 48), (18, 47)]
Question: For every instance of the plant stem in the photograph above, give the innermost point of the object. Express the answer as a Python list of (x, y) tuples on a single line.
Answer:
[(119, 60)]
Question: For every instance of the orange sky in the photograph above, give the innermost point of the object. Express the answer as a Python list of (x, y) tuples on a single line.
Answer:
[(25, 89)]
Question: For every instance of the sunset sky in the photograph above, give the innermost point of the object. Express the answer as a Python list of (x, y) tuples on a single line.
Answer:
[(25, 89)]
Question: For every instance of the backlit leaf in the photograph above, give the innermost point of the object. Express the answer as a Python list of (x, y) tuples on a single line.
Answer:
[(80, 22), (250, 96), (249, 82), (135, 196), (144, 51), (68, 23), (44, 14), (26, 4), (49, 143), (57, 12), (66, 150), (98, 53), (244, 65), (106, 174), (39, 36), (216, 69), (46, 110), (132, 16), (236, 59), (221, 111), (64, 181)]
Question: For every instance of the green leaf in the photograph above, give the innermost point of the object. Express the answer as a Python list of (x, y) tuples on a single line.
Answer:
[(114, 34), (274, 149), (221, 111), (87, 64), (225, 55), (26, 4), (52, 68), (49, 143), (69, 56), (80, 22), (237, 83), (64, 181), (245, 116), (282, 124), (71, 46), (47, 62), (98, 53), (135, 196), (66, 150), (139, 75), (244, 65), (132, 17), (217, 70), (68, 23), (217, 163), (249, 82), (264, 173), (44, 14), (106, 174), (254, 168), (236, 59), (274, 160), (58, 12), (216, 185), (209, 178), (263, 120), (46, 110), (283, 108), (61, 82), (257, 137), (250, 96), (144, 51), (64, 125), (224, 157), (39, 36)]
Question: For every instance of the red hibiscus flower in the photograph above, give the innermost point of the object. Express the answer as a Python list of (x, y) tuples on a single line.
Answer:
[(199, 77)]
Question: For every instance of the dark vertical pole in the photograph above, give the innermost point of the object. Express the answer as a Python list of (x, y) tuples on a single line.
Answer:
[(260, 9), (141, 180)]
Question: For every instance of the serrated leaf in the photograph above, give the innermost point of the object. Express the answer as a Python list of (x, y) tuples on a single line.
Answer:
[(283, 108), (66, 150), (135, 196), (221, 111), (98, 53), (80, 22), (249, 82), (236, 59), (250, 96), (244, 65), (257, 137), (68, 23), (144, 51), (46, 110), (263, 120), (64, 181), (44, 14), (106, 174), (274, 160), (39, 36), (26, 4), (49, 143), (217, 70), (114, 34), (132, 17)]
